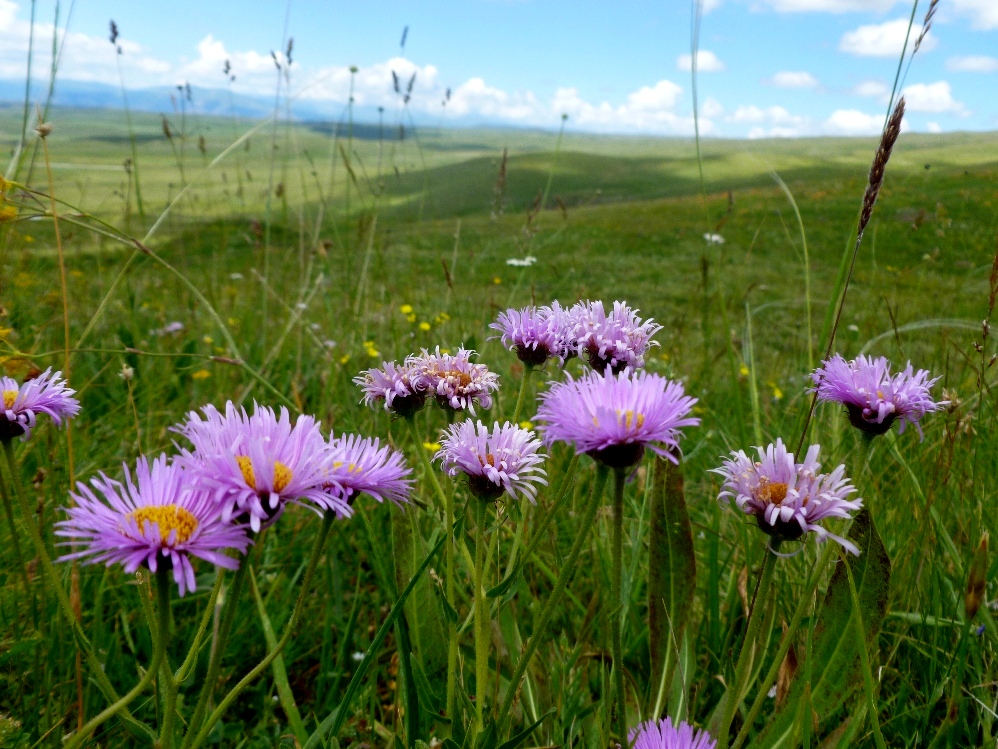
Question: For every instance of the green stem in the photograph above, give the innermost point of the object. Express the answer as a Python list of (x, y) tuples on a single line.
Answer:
[(82, 642), (320, 543), (449, 593), (746, 656), (528, 369), (185, 668), (786, 642), (567, 570), (9, 512), (864, 657), (417, 442), (619, 705), (215, 660), (481, 615), (162, 636)]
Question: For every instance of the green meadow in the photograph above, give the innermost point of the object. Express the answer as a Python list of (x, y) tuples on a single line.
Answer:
[(286, 251)]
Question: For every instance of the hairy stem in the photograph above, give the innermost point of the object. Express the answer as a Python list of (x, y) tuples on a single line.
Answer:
[(619, 705)]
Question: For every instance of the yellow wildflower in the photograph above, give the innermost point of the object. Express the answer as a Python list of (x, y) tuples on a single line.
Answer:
[(201, 374)]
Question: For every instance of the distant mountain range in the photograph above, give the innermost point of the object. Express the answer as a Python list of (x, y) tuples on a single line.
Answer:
[(210, 101)]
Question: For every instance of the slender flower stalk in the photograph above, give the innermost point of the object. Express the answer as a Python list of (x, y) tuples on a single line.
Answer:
[(746, 655), (528, 370), (160, 639), (618, 713), (481, 616), (567, 570)]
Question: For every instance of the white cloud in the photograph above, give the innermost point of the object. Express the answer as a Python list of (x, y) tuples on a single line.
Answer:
[(972, 64), (853, 122), (933, 127), (872, 90), (711, 108), (794, 79), (771, 122), (933, 97), (983, 14), (831, 6), (707, 62), (883, 40)]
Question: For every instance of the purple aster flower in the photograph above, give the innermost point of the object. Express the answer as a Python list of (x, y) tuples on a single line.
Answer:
[(402, 388), (788, 499), (617, 340), (45, 394), (363, 466), (256, 464), (874, 399), (662, 734), (155, 519), (457, 382), (613, 417), (503, 460), (535, 334)]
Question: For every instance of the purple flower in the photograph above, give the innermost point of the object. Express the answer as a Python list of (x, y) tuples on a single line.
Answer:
[(457, 382), (401, 388), (612, 417), (503, 460), (256, 464), (873, 398), (362, 466), (617, 340), (535, 334), (156, 519), (662, 734), (45, 394), (788, 499)]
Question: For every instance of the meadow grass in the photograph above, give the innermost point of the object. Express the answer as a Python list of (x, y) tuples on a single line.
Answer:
[(625, 220)]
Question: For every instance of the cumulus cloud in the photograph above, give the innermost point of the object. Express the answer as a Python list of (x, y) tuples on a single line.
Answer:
[(933, 127), (707, 62), (794, 79), (770, 122), (983, 14), (872, 90), (933, 97), (853, 122), (883, 39), (972, 64), (830, 6)]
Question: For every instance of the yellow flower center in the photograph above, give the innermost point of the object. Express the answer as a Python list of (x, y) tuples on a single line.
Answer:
[(168, 518), (463, 378), (9, 396), (632, 420), (351, 467), (282, 474), (772, 493)]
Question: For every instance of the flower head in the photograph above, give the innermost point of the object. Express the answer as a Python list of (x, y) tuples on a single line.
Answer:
[(45, 394), (535, 334), (363, 466), (155, 519), (402, 388), (613, 417), (503, 460), (874, 399), (788, 499), (617, 340), (457, 382), (662, 734), (256, 464)]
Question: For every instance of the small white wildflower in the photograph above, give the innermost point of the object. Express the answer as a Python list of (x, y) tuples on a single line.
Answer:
[(358, 656), (525, 262), (126, 373), (713, 238), (236, 276)]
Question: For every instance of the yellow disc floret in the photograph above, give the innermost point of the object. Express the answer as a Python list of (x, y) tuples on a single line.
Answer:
[(9, 396), (282, 474), (168, 518), (246, 466)]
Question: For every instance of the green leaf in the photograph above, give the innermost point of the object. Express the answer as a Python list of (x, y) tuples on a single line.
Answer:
[(334, 721), (525, 733), (671, 577), (834, 656)]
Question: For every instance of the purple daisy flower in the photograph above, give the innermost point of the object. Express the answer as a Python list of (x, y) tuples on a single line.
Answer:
[(155, 519), (402, 388), (535, 334), (617, 340), (613, 417), (45, 394), (662, 734), (363, 466), (874, 399), (503, 460), (256, 464), (788, 499), (457, 382)]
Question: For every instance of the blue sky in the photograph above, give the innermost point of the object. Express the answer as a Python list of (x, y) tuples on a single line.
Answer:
[(768, 67)]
